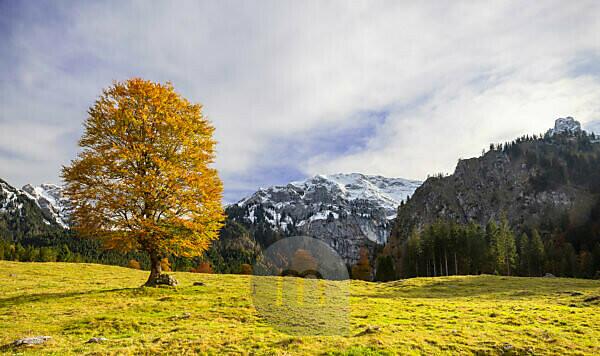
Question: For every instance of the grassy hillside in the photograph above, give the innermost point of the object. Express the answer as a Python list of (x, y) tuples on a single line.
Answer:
[(488, 314)]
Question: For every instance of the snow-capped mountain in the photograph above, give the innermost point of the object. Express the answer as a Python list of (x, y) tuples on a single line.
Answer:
[(10, 199), (348, 211), (50, 198), (20, 215)]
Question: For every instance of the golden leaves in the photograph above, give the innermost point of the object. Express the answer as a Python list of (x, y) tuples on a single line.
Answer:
[(142, 179)]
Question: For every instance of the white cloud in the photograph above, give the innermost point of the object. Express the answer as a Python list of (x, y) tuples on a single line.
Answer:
[(460, 124), (452, 78)]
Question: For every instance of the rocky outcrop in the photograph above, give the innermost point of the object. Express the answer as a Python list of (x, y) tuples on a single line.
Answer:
[(533, 181), (565, 125)]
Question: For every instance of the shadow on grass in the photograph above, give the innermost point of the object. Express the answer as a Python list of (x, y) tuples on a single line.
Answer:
[(8, 347), (47, 297)]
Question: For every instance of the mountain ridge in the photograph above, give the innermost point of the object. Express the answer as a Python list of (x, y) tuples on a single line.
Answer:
[(346, 210)]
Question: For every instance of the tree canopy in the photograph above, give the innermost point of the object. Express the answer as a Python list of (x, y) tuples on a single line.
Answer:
[(143, 178)]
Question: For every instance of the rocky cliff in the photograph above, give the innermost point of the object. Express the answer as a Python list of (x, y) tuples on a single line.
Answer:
[(536, 182)]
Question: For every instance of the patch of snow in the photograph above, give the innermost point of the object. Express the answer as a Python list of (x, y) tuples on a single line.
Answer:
[(50, 198)]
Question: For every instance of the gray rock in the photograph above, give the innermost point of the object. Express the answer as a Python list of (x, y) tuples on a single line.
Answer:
[(549, 275), (96, 340), (199, 284), (565, 125), (163, 280), (28, 341), (506, 347)]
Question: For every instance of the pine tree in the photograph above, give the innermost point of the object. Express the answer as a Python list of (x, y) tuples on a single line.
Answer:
[(536, 254), (385, 269), (524, 251), (504, 247), (491, 237), (413, 253)]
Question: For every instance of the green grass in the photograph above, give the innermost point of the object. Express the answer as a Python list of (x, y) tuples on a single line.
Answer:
[(447, 315)]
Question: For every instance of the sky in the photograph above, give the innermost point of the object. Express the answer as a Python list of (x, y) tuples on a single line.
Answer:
[(298, 88)]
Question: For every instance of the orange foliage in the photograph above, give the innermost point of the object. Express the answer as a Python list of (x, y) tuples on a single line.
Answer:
[(134, 264), (245, 269), (165, 265), (303, 261), (143, 178), (362, 269), (203, 267)]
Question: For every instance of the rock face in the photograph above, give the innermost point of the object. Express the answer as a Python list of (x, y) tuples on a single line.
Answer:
[(534, 181), (347, 211), (566, 125), (50, 198)]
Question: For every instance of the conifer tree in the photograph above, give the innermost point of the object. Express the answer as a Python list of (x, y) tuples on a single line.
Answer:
[(536, 253), (524, 251)]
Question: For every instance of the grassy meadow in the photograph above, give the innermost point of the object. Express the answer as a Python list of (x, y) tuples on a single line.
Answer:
[(447, 315)]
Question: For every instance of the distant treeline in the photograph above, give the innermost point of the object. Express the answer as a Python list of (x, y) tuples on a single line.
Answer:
[(64, 246), (231, 254), (446, 248)]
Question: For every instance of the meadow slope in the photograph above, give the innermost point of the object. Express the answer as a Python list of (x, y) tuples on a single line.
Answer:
[(446, 315)]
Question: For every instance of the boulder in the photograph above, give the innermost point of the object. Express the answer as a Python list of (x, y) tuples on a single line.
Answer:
[(163, 280), (549, 275), (28, 341)]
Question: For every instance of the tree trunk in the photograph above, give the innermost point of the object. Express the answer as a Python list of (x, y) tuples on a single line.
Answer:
[(446, 261), (155, 269), (156, 277), (441, 268), (455, 265)]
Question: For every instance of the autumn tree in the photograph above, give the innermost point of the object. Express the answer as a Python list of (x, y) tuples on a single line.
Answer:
[(143, 180), (134, 264), (362, 269), (303, 261)]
